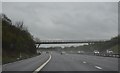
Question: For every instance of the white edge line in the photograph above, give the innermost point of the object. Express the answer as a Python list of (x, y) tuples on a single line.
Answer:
[(38, 69), (98, 67)]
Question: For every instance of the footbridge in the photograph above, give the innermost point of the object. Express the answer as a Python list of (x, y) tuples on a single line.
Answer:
[(67, 41)]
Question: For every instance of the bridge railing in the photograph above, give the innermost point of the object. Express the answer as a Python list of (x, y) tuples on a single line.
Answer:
[(67, 41)]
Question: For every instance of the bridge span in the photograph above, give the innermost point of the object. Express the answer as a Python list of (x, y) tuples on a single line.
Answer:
[(67, 41)]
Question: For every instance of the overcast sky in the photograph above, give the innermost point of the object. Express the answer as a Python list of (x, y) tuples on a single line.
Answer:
[(67, 21)]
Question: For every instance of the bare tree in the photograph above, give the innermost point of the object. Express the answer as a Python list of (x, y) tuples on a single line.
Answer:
[(19, 24), (37, 40)]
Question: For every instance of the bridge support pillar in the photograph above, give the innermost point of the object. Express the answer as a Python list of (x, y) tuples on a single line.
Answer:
[(37, 45)]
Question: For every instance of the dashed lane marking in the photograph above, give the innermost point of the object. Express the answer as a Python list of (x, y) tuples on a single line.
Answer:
[(98, 67), (84, 62)]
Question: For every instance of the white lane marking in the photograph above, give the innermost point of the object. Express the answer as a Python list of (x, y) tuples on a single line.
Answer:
[(98, 67), (38, 69), (84, 62)]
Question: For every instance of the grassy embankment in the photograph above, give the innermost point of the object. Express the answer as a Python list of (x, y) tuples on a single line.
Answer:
[(17, 42)]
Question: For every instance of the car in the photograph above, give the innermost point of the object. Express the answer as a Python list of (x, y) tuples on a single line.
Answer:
[(80, 52), (63, 52), (96, 52)]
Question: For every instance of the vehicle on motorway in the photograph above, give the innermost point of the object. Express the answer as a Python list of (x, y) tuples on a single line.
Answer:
[(80, 52), (96, 52), (62, 52), (109, 51)]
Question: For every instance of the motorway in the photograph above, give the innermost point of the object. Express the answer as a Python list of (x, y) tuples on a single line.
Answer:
[(26, 65), (77, 62), (65, 62)]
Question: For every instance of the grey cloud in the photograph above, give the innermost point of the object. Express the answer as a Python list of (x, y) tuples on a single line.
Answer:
[(79, 21)]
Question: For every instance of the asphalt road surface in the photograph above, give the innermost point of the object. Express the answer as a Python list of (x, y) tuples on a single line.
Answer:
[(26, 65), (77, 62), (65, 62)]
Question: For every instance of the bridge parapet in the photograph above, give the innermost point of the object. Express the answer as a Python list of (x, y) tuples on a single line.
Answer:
[(67, 41)]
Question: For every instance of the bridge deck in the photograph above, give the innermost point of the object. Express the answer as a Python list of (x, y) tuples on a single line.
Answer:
[(65, 42)]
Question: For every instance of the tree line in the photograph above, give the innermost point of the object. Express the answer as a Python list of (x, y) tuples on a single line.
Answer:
[(112, 44), (16, 40)]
